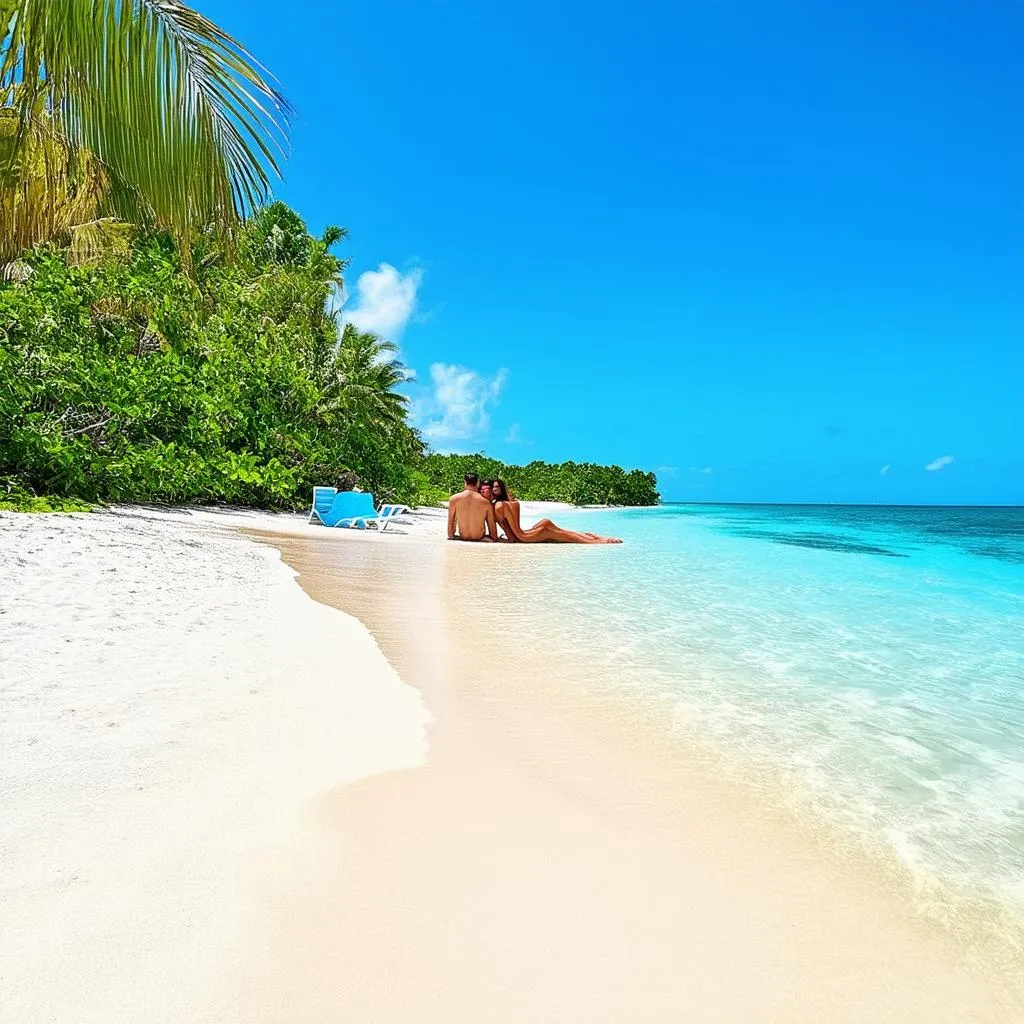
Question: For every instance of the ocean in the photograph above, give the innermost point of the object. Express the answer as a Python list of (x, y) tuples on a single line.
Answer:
[(864, 664)]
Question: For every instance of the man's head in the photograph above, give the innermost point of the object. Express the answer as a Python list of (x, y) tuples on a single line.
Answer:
[(472, 482), (485, 489)]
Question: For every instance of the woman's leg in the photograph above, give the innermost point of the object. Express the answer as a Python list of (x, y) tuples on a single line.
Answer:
[(546, 532)]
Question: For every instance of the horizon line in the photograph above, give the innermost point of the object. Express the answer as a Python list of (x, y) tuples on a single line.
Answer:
[(843, 504)]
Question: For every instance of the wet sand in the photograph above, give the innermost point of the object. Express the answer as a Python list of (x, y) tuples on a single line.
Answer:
[(558, 859)]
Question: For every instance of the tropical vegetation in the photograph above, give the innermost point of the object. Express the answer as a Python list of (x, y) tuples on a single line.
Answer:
[(118, 112), (165, 334), (136, 379), (132, 379), (581, 483)]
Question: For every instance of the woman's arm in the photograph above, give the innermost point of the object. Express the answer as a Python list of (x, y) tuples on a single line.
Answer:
[(492, 523), (508, 524), (513, 507)]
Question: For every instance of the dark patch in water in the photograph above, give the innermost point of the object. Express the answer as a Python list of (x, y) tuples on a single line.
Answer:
[(988, 532), (820, 542), (1002, 554)]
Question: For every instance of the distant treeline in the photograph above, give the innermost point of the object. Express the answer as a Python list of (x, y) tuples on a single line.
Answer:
[(141, 377), (581, 483)]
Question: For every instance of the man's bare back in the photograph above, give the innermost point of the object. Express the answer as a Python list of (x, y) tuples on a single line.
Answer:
[(471, 514)]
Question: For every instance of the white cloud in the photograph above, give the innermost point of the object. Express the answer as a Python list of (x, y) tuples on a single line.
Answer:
[(513, 436), (384, 302), (884, 471), (940, 463), (703, 470), (459, 407)]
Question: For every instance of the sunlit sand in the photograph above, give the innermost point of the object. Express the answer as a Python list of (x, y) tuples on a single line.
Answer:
[(222, 803)]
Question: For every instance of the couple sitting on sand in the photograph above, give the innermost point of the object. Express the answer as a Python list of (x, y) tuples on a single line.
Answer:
[(476, 513)]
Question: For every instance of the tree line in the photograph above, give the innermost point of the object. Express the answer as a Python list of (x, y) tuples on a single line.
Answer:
[(138, 378), (132, 379), (581, 483), (165, 334)]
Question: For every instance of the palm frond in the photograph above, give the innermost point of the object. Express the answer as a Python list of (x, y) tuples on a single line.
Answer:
[(15, 272), (97, 239), (332, 235), (46, 187), (185, 122), (366, 374)]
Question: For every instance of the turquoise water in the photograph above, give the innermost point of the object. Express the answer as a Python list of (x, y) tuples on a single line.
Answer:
[(872, 659)]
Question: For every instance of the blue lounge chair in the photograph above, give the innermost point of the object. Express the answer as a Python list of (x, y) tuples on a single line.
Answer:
[(388, 513), (351, 509), (323, 499)]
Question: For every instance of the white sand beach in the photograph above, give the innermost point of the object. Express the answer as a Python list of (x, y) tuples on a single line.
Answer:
[(169, 701), (221, 803)]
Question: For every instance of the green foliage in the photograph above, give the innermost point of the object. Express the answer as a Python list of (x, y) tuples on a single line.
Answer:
[(132, 380), (16, 499), (162, 117), (581, 483)]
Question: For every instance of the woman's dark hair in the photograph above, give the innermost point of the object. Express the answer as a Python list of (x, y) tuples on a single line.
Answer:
[(506, 494)]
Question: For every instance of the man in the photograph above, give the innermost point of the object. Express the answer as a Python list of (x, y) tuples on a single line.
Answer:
[(471, 514)]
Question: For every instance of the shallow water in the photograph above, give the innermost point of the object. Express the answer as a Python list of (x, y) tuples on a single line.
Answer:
[(575, 839), (865, 663)]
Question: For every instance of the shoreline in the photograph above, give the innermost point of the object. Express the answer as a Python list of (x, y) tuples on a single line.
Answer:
[(658, 886), (454, 827)]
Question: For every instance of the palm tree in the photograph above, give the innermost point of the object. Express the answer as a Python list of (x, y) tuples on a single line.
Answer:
[(366, 374), (131, 110)]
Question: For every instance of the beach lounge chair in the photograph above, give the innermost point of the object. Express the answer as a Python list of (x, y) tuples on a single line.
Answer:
[(387, 513), (349, 508), (352, 509), (323, 499)]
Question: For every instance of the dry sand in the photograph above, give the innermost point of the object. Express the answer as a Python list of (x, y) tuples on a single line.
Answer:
[(290, 857), (169, 702)]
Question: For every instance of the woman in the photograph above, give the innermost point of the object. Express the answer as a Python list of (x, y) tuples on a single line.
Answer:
[(506, 511)]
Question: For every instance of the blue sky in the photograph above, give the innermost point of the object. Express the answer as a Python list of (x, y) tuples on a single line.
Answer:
[(768, 250)]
